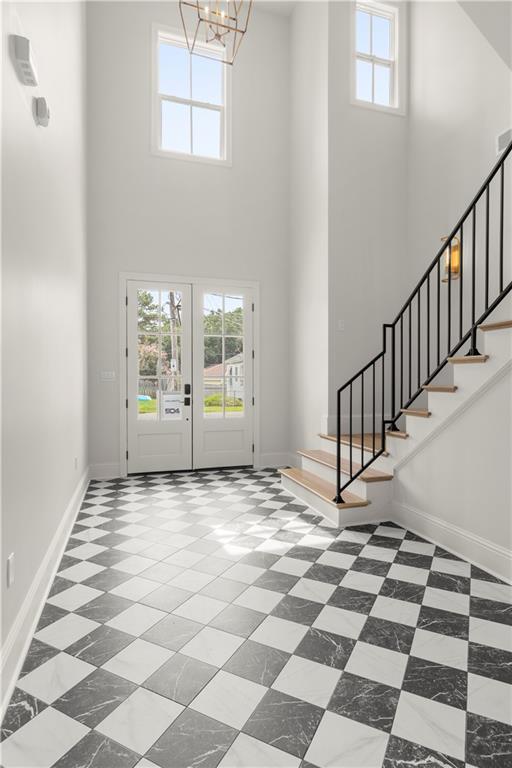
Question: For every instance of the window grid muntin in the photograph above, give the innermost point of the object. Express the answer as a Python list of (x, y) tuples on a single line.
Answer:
[(391, 16)]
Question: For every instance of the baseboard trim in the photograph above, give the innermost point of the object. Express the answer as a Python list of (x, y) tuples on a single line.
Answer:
[(274, 460), (18, 640), (483, 553), (104, 471)]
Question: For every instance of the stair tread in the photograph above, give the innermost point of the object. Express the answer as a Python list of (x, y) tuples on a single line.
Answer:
[(356, 440), (468, 359), (423, 414), (369, 475), (497, 326), (322, 488), (397, 433), (447, 388)]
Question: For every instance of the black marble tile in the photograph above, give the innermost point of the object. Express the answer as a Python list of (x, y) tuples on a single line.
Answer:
[(478, 573), (490, 662), (413, 559), (387, 542), (403, 590), (49, 614), (352, 600), (440, 552), (449, 582), (257, 662), (443, 622), (365, 701), (276, 581), (436, 681), (59, 585), (180, 678), (194, 741), (305, 553), (345, 547), (107, 579), (172, 632), (110, 556), (404, 754), (367, 565), (110, 540), (297, 609), (488, 742), (238, 620), (327, 573), (104, 607), (21, 709), (95, 697), (325, 648), (410, 536), (492, 610), (388, 634), (165, 597), (366, 527), (100, 645), (37, 654), (290, 537), (284, 722), (97, 751)]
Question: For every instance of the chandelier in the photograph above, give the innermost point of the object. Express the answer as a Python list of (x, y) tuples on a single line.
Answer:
[(215, 28)]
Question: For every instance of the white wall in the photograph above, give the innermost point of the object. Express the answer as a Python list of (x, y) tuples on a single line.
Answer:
[(154, 214), (308, 270), (44, 329)]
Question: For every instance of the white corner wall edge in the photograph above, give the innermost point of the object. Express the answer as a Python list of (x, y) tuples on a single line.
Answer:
[(481, 552), (19, 638)]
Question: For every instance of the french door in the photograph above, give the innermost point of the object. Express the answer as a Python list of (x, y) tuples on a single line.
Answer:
[(189, 376)]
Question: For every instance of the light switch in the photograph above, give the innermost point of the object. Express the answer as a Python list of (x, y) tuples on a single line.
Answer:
[(108, 376)]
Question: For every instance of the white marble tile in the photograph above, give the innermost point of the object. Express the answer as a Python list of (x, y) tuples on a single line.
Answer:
[(264, 600), (279, 633), (42, 741), (200, 608), (85, 551), (213, 646), (490, 698), (179, 540), (310, 589), (90, 534), (395, 610), (432, 724), (133, 530), (274, 546), (307, 680), (138, 661), (131, 517), (491, 591), (491, 633), (162, 572), (376, 663), (92, 521), (74, 597), (184, 558), (134, 564), (314, 540), (135, 588), (340, 621), (391, 531), (343, 743), (246, 752), (455, 567), (408, 573), (336, 559), (245, 573), (191, 580), (358, 537), (145, 763), (133, 546), (81, 571), (378, 553), (159, 552), (66, 630), (364, 582), (136, 619), (446, 601), (52, 679), (419, 547), (442, 649), (291, 566), (229, 698), (140, 720)]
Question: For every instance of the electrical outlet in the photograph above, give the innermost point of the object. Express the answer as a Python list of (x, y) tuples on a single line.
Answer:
[(10, 570)]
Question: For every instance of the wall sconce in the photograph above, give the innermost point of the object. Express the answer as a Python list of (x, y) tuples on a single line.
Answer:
[(451, 255)]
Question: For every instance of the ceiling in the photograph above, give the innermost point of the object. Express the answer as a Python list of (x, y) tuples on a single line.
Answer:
[(281, 7)]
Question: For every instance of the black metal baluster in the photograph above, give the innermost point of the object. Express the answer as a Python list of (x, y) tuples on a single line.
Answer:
[(393, 370), (350, 429), (419, 337), (410, 350), (428, 325), (383, 396), (438, 311), (401, 359), (362, 418), (502, 203), (373, 410), (461, 279), (473, 349), (338, 498), (449, 324), (487, 247)]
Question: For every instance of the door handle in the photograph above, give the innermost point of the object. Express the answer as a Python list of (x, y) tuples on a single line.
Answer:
[(186, 401), (187, 389)]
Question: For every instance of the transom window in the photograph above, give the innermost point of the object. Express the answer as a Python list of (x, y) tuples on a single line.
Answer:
[(376, 54), (190, 102)]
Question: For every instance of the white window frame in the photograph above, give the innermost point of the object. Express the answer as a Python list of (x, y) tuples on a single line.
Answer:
[(174, 37), (396, 13)]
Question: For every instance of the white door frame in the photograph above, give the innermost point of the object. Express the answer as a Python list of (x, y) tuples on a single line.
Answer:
[(123, 343)]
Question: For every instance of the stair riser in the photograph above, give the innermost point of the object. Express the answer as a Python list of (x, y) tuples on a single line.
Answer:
[(419, 428), (497, 344), (442, 404), (338, 517), (329, 473), (330, 447)]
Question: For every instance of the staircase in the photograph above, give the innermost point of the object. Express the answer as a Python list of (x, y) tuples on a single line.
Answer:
[(451, 338)]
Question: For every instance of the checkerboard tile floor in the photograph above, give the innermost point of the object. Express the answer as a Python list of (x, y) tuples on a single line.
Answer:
[(210, 619)]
